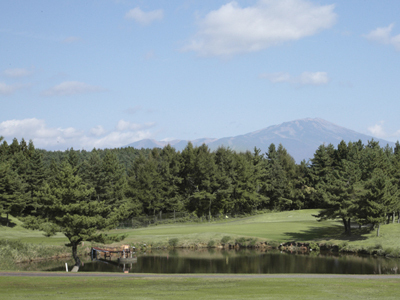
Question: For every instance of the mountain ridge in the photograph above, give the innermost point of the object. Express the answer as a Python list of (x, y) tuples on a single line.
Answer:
[(301, 138)]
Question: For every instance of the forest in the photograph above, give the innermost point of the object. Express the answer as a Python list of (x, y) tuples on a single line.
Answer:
[(353, 182)]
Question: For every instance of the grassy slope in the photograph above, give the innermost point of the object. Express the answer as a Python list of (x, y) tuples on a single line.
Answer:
[(283, 226), (280, 227), (29, 236), (196, 288)]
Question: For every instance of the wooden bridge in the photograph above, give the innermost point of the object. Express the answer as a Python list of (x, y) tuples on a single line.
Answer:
[(124, 253)]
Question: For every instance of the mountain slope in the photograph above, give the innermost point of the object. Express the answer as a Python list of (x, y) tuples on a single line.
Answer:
[(300, 137)]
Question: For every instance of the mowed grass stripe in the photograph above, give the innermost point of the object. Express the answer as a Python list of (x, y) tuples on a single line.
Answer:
[(196, 288)]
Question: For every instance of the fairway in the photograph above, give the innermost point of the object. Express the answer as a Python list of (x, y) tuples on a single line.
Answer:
[(274, 227), (241, 287), (282, 226)]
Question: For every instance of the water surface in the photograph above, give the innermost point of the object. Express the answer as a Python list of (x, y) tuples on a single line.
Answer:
[(241, 262)]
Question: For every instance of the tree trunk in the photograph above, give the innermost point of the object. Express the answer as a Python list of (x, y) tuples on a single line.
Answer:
[(345, 225), (349, 226), (209, 211), (7, 220), (393, 217), (75, 254), (379, 227)]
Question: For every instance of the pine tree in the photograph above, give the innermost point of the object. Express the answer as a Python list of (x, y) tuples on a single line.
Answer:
[(246, 191), (12, 200), (169, 167), (202, 201), (34, 178), (340, 195), (279, 183), (379, 196), (224, 176), (112, 180), (144, 184), (66, 203), (322, 165)]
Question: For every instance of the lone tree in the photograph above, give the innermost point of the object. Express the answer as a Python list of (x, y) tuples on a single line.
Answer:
[(65, 205)]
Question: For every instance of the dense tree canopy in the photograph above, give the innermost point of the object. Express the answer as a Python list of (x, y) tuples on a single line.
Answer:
[(353, 182)]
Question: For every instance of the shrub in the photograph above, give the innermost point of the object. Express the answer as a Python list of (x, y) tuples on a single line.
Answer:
[(225, 239), (253, 242), (211, 244), (392, 252), (273, 244), (173, 242), (314, 246), (241, 241)]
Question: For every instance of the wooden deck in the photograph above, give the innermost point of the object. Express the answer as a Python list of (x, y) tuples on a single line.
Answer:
[(124, 252)]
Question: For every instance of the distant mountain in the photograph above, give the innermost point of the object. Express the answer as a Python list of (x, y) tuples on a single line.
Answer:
[(300, 138)]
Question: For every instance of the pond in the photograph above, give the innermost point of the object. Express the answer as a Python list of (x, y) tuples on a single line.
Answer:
[(233, 262)]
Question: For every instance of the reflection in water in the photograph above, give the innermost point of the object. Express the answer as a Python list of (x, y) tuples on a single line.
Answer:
[(240, 262)]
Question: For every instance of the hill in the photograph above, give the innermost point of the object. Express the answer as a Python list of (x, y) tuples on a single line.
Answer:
[(300, 137)]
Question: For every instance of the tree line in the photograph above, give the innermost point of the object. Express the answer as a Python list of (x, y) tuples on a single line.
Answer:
[(353, 182)]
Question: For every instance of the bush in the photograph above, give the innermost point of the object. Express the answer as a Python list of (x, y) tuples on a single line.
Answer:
[(211, 244), (173, 242), (273, 244), (314, 246), (225, 239), (252, 242), (241, 241), (392, 252)]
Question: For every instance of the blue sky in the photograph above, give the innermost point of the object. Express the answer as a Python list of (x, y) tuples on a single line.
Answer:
[(107, 73)]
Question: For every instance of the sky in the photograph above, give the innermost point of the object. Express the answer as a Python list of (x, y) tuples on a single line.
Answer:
[(106, 73)]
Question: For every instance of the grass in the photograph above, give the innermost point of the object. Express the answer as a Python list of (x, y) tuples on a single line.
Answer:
[(16, 231), (275, 228), (196, 288), (282, 226)]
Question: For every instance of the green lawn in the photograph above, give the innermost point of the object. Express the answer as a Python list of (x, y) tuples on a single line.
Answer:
[(16, 231), (298, 225), (196, 288), (283, 226)]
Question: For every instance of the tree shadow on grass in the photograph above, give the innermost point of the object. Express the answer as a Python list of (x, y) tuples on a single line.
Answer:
[(3, 222), (333, 232)]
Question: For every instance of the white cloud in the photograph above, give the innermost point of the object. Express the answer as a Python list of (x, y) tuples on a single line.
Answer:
[(145, 18), (115, 139), (17, 72), (377, 130), (232, 29), (28, 127), (306, 78), (69, 88), (6, 89), (382, 35), (98, 130), (64, 138), (313, 78), (125, 125)]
